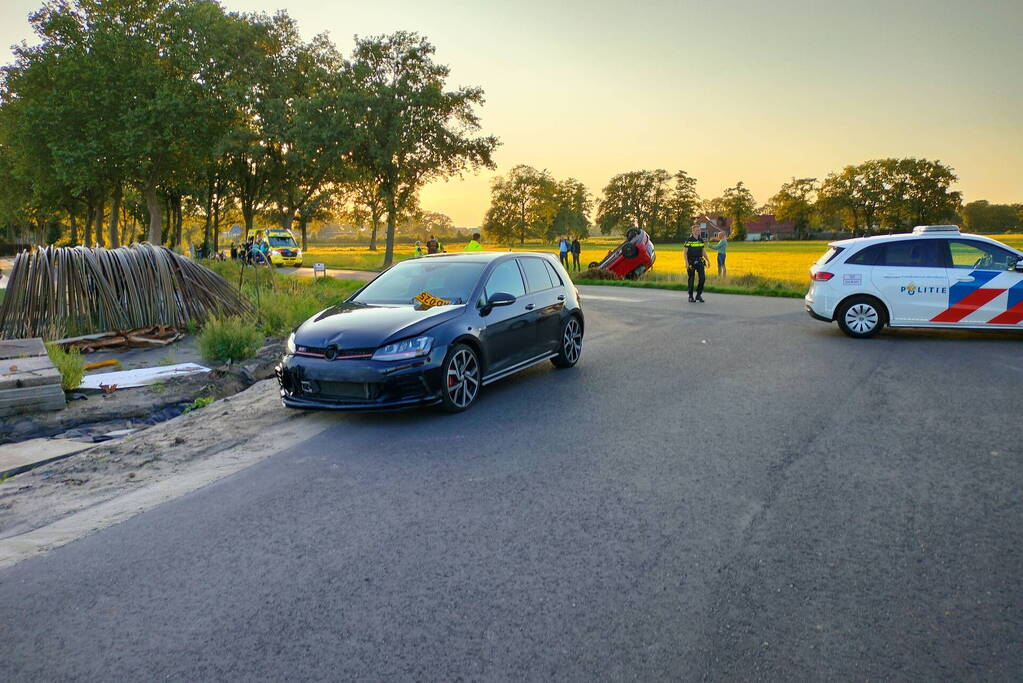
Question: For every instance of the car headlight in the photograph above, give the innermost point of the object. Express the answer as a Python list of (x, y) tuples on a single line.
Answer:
[(275, 252), (403, 350), (289, 346)]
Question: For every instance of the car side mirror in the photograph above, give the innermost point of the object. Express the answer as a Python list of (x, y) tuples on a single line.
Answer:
[(1018, 267), (497, 299), (500, 299)]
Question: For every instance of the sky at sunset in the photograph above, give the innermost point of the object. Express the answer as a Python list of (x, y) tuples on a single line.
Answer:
[(744, 90)]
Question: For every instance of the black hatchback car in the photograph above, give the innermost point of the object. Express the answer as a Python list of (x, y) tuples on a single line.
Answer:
[(434, 330)]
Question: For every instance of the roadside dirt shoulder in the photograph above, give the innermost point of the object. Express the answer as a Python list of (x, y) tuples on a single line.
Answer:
[(112, 481)]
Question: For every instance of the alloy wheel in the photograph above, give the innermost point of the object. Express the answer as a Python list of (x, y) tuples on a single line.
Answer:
[(861, 318), (572, 343), (463, 378)]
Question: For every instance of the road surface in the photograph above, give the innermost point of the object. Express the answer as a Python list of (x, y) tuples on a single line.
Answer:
[(720, 491)]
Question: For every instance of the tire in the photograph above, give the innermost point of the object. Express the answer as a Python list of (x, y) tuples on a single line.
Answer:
[(593, 264), (462, 379), (631, 233), (630, 250), (861, 317), (570, 347)]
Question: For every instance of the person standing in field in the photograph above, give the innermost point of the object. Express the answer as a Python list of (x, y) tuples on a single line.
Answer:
[(576, 250), (432, 245), (721, 248), (419, 250), (563, 251), (474, 243), (693, 248)]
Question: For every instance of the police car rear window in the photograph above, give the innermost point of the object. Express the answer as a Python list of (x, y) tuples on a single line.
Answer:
[(904, 253), (829, 255)]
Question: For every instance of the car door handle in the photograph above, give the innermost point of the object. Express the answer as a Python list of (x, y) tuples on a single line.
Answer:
[(561, 297), (530, 307)]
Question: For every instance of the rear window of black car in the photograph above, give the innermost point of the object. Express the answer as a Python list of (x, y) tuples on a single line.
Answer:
[(449, 280), (537, 277)]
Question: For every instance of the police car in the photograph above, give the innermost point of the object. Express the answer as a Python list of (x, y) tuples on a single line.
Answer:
[(934, 277)]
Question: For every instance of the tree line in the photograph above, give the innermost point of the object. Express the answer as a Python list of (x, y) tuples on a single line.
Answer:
[(881, 195), (151, 110)]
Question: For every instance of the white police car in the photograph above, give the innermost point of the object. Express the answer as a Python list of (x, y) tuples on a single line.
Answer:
[(934, 277)]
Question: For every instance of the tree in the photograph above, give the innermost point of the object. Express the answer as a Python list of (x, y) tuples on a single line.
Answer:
[(407, 129), (795, 202), (572, 205), (684, 204), (522, 205), (740, 207), (637, 198), (649, 200), (982, 216)]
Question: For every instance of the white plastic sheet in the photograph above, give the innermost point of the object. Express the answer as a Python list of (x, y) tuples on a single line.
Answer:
[(140, 377)]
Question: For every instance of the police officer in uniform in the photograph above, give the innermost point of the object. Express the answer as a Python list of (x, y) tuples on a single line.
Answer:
[(693, 248)]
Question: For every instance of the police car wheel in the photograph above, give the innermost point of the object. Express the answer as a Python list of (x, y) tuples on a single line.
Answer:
[(861, 317), (461, 379), (571, 347)]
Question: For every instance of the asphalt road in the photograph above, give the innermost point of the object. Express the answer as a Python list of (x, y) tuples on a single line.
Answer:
[(726, 491)]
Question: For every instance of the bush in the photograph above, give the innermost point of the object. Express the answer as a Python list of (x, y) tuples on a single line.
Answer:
[(597, 274), (231, 338), (70, 365)]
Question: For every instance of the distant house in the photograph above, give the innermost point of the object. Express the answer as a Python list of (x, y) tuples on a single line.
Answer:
[(762, 227)]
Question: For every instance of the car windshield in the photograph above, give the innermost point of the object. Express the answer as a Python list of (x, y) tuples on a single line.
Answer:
[(451, 280), (282, 241)]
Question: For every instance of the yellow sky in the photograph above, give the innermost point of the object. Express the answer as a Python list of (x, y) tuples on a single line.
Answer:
[(744, 90)]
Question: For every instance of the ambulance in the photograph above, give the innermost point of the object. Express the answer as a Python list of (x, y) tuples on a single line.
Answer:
[(934, 277), (284, 250)]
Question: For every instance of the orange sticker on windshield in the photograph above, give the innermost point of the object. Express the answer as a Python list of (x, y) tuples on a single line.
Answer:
[(427, 300)]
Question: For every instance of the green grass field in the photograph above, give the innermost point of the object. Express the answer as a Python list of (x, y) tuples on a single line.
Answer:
[(752, 266)]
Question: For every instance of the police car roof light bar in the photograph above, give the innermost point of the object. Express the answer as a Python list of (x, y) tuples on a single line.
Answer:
[(935, 228)]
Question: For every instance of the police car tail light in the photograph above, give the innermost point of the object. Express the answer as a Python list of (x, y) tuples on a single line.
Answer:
[(822, 276)]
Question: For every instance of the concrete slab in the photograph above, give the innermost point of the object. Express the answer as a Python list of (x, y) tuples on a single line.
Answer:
[(21, 348), (20, 457), (27, 372)]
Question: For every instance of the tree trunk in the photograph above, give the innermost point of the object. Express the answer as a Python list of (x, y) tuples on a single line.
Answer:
[(209, 215), (303, 223), (375, 222), (287, 218), (216, 224), (115, 215), (248, 214), (176, 216), (74, 228), (389, 247), (99, 224), (90, 212), (155, 214)]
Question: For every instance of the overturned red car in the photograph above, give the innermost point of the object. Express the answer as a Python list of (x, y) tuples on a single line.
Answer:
[(631, 258)]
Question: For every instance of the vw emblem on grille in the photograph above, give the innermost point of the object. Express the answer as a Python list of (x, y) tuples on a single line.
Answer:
[(331, 352)]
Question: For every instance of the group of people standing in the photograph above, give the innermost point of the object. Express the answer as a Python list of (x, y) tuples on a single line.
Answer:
[(696, 259), (251, 251), (565, 248)]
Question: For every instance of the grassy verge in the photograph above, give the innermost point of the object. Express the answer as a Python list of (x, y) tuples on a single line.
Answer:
[(754, 285), (282, 303)]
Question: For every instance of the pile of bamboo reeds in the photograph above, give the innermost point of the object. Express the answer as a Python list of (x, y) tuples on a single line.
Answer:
[(59, 292)]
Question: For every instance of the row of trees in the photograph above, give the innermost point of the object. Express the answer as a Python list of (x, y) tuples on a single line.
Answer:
[(173, 107), (880, 195)]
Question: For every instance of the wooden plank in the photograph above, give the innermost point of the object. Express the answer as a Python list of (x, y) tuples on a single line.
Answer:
[(21, 348), (32, 378), (44, 393), (27, 372)]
